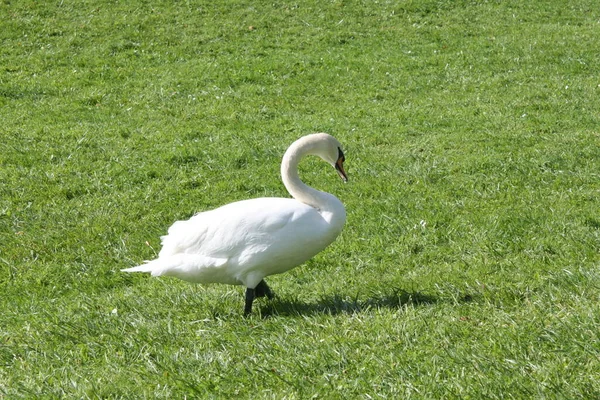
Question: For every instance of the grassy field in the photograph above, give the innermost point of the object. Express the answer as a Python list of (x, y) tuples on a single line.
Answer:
[(469, 266)]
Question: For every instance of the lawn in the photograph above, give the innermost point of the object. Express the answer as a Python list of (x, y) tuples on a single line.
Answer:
[(469, 266)]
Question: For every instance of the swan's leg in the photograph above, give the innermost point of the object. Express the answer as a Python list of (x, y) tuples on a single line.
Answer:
[(262, 290), (250, 295)]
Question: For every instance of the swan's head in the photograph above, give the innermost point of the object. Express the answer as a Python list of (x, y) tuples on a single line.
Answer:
[(330, 150)]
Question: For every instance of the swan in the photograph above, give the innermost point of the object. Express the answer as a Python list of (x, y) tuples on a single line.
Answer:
[(243, 242)]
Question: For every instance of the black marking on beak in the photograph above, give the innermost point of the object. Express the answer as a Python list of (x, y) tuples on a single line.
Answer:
[(339, 165)]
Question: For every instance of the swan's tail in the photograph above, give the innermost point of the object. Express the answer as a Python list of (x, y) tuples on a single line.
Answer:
[(148, 267), (189, 267)]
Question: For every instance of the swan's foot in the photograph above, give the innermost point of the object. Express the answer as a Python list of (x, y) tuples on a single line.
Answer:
[(261, 290)]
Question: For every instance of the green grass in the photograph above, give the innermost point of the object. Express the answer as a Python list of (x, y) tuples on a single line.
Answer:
[(469, 266)]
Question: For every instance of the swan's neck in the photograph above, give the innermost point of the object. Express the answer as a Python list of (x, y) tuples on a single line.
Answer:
[(323, 202)]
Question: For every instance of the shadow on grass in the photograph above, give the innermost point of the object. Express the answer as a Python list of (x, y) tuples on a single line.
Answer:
[(337, 304)]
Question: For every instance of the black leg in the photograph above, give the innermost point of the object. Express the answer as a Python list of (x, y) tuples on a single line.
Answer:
[(249, 299), (262, 290)]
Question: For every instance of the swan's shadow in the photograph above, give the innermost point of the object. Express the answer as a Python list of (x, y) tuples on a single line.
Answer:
[(338, 304)]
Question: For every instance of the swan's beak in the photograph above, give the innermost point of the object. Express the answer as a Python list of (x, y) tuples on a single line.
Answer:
[(339, 166), (341, 172)]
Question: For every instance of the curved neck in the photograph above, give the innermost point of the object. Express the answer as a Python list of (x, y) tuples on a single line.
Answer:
[(299, 190)]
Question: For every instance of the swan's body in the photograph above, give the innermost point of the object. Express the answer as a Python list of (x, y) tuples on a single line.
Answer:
[(241, 243)]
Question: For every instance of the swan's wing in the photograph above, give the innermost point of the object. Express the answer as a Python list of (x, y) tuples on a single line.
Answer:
[(230, 230)]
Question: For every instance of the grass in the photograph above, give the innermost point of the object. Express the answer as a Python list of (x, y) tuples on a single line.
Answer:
[(469, 266)]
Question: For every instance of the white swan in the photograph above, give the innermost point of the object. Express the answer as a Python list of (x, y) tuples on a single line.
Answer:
[(241, 243)]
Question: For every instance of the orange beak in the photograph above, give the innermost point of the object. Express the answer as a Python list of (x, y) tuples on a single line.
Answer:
[(339, 167)]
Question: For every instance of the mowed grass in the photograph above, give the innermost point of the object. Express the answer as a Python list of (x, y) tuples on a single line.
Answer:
[(469, 266)]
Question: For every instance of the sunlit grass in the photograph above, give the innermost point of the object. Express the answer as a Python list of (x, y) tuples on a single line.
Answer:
[(469, 264)]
